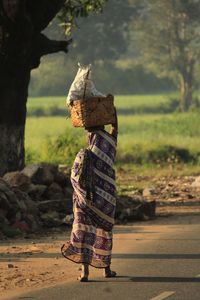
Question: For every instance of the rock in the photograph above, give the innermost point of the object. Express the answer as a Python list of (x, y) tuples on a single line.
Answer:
[(10, 231), (190, 196), (45, 206), (33, 222), (142, 211), (67, 206), (21, 225), (174, 194), (18, 216), (3, 221), (31, 206), (125, 202), (32, 171), (51, 219), (4, 203), (61, 179), (65, 169), (148, 192), (147, 210), (41, 174), (36, 191), (196, 183), (26, 201), (62, 206), (68, 219), (40, 195), (17, 179), (4, 186), (68, 191), (47, 176), (14, 205), (54, 191), (21, 196)]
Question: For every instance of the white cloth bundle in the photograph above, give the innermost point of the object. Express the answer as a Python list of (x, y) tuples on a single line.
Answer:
[(82, 86)]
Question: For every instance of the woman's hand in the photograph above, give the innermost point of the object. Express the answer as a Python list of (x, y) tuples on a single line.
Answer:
[(114, 128)]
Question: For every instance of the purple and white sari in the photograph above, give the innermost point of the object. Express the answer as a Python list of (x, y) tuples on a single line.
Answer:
[(91, 236)]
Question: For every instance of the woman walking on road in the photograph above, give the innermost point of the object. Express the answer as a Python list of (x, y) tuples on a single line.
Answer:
[(94, 202)]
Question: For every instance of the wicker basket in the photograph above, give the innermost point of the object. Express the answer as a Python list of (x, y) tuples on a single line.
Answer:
[(96, 111)]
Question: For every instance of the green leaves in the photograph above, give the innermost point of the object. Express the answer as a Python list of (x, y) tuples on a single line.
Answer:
[(74, 9), (168, 39)]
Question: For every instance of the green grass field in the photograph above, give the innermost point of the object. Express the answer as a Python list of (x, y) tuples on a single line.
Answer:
[(146, 136), (120, 101)]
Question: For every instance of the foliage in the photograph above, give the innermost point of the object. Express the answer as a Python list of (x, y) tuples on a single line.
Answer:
[(167, 33), (101, 35), (73, 9), (104, 36), (56, 73), (156, 139), (65, 146)]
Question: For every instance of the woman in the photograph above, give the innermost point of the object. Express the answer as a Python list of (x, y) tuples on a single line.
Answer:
[(94, 202)]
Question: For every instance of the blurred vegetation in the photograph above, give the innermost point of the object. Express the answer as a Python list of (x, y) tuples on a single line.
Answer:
[(136, 47), (56, 74), (106, 41), (129, 48), (166, 34), (147, 138), (54, 106)]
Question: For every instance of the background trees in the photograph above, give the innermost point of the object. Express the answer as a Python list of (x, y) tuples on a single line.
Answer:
[(105, 40), (22, 44), (136, 43), (129, 43), (167, 37)]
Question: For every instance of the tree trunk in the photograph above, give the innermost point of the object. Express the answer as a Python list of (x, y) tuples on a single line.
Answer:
[(21, 46), (13, 97), (11, 148), (186, 89)]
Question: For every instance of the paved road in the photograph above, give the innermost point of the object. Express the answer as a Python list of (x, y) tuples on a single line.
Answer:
[(154, 262)]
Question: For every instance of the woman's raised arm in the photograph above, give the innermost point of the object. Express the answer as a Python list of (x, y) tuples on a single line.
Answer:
[(114, 126)]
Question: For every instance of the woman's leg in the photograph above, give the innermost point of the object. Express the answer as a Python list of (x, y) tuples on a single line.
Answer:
[(109, 273), (84, 273)]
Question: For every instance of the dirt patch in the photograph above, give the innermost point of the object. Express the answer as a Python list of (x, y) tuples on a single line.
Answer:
[(33, 263)]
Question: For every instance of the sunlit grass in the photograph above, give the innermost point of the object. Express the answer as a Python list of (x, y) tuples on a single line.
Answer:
[(123, 101), (139, 134)]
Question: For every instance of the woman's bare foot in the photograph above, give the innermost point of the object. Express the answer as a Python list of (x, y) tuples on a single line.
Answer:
[(108, 273), (84, 274), (82, 278)]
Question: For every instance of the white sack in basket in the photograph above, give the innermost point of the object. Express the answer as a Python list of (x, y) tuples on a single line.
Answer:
[(82, 86)]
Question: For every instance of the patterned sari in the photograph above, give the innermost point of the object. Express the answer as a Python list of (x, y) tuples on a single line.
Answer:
[(91, 236)]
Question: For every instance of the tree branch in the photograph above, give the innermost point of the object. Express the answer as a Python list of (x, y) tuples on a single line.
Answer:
[(42, 12), (43, 46)]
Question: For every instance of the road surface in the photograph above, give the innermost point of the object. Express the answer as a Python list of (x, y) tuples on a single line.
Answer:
[(153, 262)]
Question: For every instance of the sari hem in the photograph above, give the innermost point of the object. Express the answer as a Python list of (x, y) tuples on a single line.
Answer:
[(82, 258)]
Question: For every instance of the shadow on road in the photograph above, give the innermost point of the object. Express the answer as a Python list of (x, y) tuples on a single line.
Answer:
[(19, 257), (155, 256), (164, 279), (148, 279), (129, 279)]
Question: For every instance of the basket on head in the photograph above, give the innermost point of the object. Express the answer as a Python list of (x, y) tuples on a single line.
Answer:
[(96, 111)]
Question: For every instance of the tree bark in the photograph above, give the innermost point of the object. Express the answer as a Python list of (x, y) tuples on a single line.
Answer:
[(186, 90), (11, 148), (21, 47), (13, 97)]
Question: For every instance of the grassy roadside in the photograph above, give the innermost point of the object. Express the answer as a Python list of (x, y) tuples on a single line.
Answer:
[(148, 142)]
